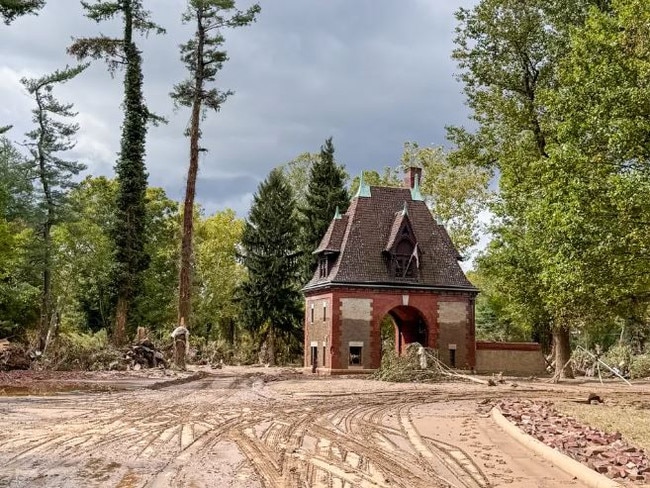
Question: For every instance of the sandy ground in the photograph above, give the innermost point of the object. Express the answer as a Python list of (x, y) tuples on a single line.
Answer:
[(245, 427)]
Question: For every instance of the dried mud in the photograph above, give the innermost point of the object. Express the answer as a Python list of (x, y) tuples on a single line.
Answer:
[(240, 427)]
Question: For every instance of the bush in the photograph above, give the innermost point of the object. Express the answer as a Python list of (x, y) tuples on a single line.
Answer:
[(640, 366), (79, 351), (619, 357)]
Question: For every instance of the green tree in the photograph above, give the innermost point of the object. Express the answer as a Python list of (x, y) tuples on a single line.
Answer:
[(203, 58), (51, 137), (596, 249), (325, 193), (84, 260), (456, 194), (11, 9), (128, 232), (508, 52), (84, 257), (297, 172), (269, 296), (155, 307), (388, 177), (19, 280), (218, 275)]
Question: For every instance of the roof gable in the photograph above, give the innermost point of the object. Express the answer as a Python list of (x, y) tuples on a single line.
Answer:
[(372, 225)]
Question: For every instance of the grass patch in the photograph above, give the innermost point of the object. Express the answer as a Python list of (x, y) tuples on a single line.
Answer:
[(633, 423)]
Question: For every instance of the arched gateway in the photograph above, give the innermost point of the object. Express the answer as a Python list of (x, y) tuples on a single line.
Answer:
[(387, 255)]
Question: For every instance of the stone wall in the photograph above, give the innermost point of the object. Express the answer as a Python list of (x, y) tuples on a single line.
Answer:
[(516, 358), (453, 328), (356, 324)]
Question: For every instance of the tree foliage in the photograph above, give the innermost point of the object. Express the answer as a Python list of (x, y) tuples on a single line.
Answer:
[(128, 232), (12, 9), (269, 296), (51, 136), (556, 90), (218, 275), (325, 193), (19, 277)]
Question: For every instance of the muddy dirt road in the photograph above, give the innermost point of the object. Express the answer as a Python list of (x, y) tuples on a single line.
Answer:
[(262, 428)]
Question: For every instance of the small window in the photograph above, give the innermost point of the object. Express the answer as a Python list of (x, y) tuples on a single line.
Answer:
[(323, 267), (323, 355), (314, 355), (324, 311), (355, 355), (452, 358), (312, 313)]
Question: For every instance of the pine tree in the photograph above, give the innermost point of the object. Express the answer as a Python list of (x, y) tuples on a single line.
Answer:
[(270, 299), (204, 58), (11, 9), (50, 137), (129, 231), (325, 193)]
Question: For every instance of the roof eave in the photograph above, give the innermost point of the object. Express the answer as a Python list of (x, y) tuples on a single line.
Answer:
[(395, 285)]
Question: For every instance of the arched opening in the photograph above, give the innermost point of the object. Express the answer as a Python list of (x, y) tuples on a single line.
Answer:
[(406, 325)]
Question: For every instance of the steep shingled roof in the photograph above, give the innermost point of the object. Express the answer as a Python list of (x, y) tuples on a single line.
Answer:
[(367, 230), (334, 235)]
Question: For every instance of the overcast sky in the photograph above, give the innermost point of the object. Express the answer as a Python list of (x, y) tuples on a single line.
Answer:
[(370, 73)]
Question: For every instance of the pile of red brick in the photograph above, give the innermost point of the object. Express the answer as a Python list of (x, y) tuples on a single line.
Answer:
[(604, 452)]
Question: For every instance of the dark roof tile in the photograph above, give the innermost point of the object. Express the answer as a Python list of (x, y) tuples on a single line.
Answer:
[(367, 227)]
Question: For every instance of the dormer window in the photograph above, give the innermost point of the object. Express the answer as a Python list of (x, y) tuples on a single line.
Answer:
[(323, 266), (405, 260)]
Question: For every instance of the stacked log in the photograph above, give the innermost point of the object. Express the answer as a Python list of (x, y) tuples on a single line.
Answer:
[(13, 356), (144, 354)]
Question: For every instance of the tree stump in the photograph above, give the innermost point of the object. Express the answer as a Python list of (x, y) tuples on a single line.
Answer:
[(181, 343)]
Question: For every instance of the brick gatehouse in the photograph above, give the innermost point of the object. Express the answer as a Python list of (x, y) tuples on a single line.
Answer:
[(387, 256)]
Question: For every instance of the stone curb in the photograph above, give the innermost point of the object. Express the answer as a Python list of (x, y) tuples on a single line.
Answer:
[(583, 473)]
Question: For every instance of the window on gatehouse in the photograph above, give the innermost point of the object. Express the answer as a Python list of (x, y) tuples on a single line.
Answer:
[(404, 260), (323, 267)]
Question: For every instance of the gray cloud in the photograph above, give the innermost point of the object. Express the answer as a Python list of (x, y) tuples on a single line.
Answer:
[(371, 73)]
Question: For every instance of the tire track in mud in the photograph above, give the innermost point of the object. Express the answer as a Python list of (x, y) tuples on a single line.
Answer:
[(133, 429), (174, 436)]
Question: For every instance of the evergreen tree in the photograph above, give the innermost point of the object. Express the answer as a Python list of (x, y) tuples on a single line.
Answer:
[(11, 9), (204, 58), (270, 298), (325, 192), (50, 137), (129, 234)]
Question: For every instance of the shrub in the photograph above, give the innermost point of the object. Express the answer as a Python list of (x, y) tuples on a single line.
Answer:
[(619, 357), (79, 351), (640, 366)]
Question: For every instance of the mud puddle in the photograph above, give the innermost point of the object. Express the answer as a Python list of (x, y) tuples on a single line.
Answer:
[(52, 390)]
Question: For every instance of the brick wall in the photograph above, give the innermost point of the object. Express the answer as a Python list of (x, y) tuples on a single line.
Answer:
[(518, 358), (355, 315), (318, 330)]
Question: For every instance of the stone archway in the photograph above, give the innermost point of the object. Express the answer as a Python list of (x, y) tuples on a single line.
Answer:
[(410, 326)]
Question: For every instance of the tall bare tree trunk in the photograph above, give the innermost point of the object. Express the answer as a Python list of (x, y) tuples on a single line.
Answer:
[(185, 278), (121, 311), (271, 346), (562, 347)]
